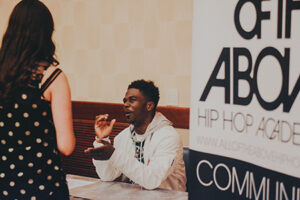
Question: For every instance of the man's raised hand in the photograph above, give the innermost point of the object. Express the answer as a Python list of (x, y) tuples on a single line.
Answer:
[(102, 127)]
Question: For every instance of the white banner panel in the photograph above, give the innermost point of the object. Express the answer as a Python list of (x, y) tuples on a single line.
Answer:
[(245, 102)]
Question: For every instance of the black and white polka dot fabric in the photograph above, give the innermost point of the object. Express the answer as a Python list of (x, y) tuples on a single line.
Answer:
[(30, 163)]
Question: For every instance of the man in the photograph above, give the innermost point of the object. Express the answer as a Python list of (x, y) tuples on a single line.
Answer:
[(149, 152)]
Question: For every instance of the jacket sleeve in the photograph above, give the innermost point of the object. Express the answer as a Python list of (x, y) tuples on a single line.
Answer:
[(159, 167), (105, 169)]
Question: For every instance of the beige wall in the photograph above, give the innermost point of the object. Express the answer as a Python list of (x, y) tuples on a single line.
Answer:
[(103, 45)]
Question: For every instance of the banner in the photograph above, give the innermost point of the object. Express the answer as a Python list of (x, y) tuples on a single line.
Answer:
[(245, 101)]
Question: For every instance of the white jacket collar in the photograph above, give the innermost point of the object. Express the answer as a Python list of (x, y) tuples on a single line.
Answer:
[(157, 122)]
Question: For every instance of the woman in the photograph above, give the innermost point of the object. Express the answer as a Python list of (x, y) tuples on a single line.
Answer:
[(35, 108)]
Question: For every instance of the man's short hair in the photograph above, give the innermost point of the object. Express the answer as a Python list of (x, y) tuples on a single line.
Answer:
[(149, 90)]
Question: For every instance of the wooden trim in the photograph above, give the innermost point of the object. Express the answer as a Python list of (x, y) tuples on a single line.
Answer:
[(88, 110)]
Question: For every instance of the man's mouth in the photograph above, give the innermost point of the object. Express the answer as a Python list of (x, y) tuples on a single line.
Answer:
[(127, 114)]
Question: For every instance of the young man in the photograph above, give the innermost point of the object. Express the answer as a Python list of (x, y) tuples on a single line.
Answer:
[(149, 152)]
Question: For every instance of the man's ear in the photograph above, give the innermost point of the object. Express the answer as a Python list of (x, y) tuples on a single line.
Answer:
[(150, 106)]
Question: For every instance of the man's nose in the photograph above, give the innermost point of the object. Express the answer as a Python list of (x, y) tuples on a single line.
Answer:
[(126, 104)]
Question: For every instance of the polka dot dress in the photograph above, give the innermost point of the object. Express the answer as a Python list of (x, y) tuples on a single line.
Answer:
[(30, 163)]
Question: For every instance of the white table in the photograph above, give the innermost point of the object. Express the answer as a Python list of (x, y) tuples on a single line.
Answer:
[(90, 188)]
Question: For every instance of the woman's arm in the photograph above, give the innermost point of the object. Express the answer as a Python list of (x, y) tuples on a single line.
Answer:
[(59, 95)]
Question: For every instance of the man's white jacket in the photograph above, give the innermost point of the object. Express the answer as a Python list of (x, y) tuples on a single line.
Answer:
[(163, 156)]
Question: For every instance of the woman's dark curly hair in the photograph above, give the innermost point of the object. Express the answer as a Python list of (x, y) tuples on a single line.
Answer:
[(26, 42)]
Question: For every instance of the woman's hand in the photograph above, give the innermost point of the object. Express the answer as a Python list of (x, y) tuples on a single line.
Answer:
[(102, 127)]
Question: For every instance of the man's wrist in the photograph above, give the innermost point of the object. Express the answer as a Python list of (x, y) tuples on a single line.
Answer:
[(106, 139)]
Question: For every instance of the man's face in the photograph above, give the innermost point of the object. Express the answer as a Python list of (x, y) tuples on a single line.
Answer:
[(135, 106)]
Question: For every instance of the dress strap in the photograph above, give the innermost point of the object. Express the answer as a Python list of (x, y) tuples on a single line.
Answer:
[(51, 78)]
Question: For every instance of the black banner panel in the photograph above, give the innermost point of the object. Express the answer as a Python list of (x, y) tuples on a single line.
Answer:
[(218, 177)]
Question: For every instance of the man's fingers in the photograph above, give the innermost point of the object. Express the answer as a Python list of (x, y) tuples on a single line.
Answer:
[(93, 154), (112, 123), (87, 150), (103, 123), (101, 118), (103, 152), (92, 150), (102, 115)]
